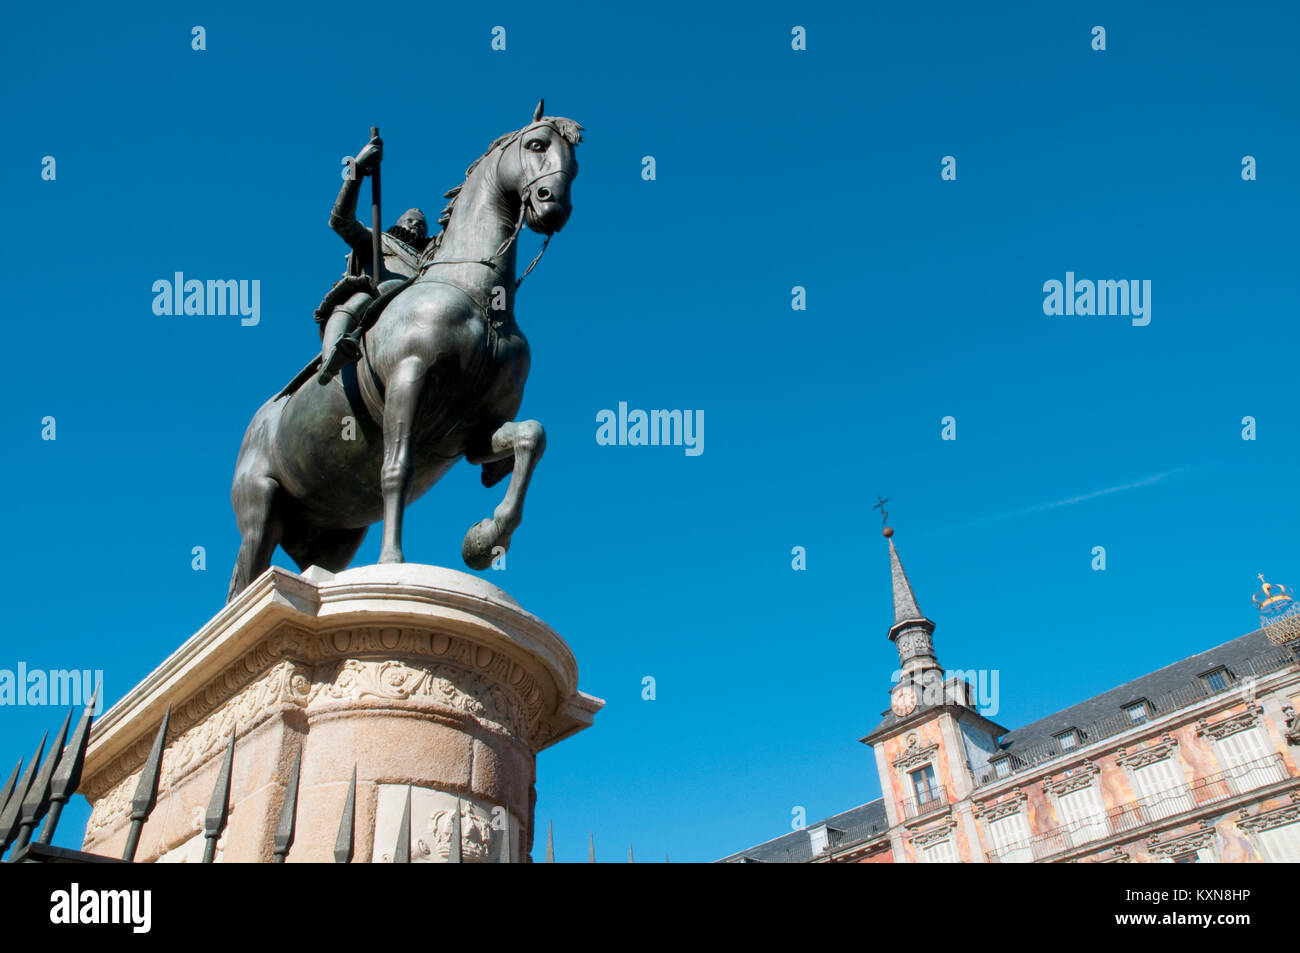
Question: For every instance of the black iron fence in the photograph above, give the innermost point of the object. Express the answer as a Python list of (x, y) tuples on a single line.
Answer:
[(39, 792), (927, 802)]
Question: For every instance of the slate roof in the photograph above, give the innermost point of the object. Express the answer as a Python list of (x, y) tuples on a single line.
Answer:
[(1241, 657), (858, 824), (905, 607)]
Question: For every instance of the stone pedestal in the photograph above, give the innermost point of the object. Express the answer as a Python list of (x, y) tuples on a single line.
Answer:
[(422, 678)]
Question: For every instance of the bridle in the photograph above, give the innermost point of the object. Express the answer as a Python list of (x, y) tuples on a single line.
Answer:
[(525, 195)]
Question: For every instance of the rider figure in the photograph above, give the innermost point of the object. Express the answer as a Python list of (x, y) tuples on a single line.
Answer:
[(341, 311)]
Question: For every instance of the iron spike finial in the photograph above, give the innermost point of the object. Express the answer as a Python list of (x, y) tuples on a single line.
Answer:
[(7, 791), (284, 829), (12, 813), (343, 844), (214, 822), (146, 789), (550, 842), (67, 776), (591, 848), (37, 800)]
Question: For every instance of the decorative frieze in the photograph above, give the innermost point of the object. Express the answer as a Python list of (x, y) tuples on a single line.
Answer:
[(1270, 819), (1179, 846), (1073, 780), (1150, 754), (994, 810), (1230, 726), (304, 669), (1115, 855), (915, 757), (933, 835)]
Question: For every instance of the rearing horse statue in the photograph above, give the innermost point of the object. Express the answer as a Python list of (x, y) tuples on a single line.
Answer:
[(441, 376)]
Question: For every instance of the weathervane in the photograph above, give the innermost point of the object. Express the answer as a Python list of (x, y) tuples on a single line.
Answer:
[(884, 515)]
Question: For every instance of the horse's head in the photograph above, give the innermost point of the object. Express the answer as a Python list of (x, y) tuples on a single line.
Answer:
[(539, 166)]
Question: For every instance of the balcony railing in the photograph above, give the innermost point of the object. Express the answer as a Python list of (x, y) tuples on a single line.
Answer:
[(925, 803), (1190, 694), (1146, 810)]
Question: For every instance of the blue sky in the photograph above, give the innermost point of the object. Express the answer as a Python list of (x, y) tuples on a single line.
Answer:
[(775, 168)]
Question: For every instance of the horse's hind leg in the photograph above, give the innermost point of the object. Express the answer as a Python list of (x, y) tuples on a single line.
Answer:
[(525, 441), (331, 549), (260, 528)]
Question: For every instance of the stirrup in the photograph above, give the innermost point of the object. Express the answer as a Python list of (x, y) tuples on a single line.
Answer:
[(345, 351)]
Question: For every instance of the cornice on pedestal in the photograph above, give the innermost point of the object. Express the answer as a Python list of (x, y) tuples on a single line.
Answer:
[(284, 616)]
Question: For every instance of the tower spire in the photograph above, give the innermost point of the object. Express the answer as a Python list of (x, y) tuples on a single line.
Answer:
[(911, 632), (905, 607)]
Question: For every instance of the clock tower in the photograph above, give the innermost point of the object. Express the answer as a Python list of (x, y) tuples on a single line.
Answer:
[(931, 742)]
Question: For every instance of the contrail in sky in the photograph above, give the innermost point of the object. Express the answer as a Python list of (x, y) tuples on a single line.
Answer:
[(1055, 504)]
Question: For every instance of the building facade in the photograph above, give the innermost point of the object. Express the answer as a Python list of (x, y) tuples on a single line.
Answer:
[(1193, 763)]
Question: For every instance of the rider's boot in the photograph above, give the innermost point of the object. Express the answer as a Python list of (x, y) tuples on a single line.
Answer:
[(340, 343)]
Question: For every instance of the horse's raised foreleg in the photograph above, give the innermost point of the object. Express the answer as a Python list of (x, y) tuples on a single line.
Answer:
[(525, 440), (401, 401)]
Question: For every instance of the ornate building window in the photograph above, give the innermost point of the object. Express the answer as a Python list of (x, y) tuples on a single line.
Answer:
[(924, 786), (1245, 754), (1281, 844), (1276, 833), (936, 845), (1082, 812), (1158, 779), (1009, 836), (1198, 848), (940, 852)]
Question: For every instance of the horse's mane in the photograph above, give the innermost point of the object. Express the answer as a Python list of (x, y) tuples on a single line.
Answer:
[(569, 129)]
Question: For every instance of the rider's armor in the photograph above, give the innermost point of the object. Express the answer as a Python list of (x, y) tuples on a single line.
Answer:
[(342, 309)]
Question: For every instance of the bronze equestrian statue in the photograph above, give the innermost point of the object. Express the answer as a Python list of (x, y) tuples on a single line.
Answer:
[(339, 315), (440, 375)]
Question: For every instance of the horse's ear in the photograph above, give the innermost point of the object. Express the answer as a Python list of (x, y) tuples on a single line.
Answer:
[(540, 110)]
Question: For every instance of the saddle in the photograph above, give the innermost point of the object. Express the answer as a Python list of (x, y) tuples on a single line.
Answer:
[(343, 289)]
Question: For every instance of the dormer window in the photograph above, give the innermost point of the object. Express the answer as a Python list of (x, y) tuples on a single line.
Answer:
[(1068, 740), (1002, 768), (1137, 712), (1216, 680), (824, 838), (819, 839)]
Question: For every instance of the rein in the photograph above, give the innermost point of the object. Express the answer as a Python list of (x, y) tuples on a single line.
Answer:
[(524, 196)]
